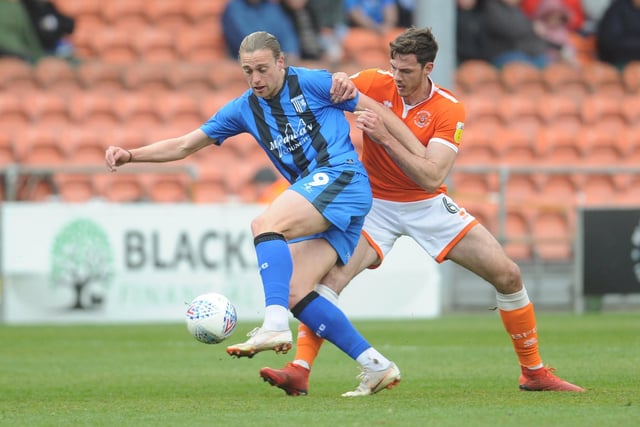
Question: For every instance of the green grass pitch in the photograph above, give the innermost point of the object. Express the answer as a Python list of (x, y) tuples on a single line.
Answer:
[(458, 370)]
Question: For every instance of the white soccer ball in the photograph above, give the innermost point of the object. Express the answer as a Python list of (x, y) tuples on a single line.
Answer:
[(211, 318)]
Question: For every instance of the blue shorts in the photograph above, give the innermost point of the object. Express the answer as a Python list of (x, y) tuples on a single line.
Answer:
[(343, 197)]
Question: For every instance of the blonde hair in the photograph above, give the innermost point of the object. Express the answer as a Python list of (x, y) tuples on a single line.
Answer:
[(258, 41)]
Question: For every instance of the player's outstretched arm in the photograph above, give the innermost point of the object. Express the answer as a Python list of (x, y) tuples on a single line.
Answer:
[(166, 150)]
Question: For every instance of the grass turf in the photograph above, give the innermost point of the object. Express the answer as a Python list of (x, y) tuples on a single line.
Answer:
[(458, 370)]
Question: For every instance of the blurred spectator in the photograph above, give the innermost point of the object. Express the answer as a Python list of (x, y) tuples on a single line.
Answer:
[(380, 16), (618, 34), (18, 38), (243, 17), (267, 185), (576, 13), (406, 11), (510, 35), (52, 27), (470, 30), (333, 28), (593, 12), (551, 20), (307, 27)]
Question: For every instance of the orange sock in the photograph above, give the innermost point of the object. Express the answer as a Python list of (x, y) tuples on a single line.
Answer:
[(521, 326), (307, 345)]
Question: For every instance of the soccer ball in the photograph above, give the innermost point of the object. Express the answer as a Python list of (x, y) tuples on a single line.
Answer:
[(211, 318)]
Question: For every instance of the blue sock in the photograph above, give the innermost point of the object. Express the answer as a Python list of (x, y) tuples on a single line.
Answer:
[(276, 268), (329, 322)]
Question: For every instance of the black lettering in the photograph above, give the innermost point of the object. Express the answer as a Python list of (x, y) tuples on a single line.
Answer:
[(183, 251), (208, 238)]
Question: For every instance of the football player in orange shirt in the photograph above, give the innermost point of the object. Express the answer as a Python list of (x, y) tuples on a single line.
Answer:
[(411, 175)]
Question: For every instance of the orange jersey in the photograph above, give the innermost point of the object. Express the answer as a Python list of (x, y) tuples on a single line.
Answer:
[(440, 118)]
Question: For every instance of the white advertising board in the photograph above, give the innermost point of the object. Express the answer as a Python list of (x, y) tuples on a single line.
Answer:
[(102, 263)]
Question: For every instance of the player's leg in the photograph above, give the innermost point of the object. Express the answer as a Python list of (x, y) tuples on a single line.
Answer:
[(479, 252), (293, 378), (289, 216)]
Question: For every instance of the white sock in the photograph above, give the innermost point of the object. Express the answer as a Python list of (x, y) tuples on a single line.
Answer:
[(302, 363), (372, 360), (276, 318), (514, 301), (328, 293)]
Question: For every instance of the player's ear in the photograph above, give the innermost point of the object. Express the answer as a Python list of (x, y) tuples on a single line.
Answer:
[(428, 68)]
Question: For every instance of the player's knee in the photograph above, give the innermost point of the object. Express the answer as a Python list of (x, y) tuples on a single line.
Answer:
[(509, 279), (336, 280)]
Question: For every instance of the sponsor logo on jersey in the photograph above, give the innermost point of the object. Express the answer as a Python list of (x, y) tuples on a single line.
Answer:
[(457, 136), (299, 103)]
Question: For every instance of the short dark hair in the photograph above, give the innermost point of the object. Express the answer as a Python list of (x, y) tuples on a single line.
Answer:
[(417, 41)]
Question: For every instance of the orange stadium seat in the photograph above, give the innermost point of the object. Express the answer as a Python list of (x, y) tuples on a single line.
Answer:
[(553, 236), (561, 110), (41, 146), (520, 112), (517, 145), (630, 109), (602, 110), (7, 151), (190, 78), (204, 10), (602, 147), (209, 187), (49, 109), (145, 77), (629, 140), (86, 146), (629, 194), (360, 41), (479, 145), (56, 74), (126, 14), (226, 75), (564, 78), (522, 188), (486, 212), (584, 47), (114, 46), (599, 189), (517, 238), (74, 188), (13, 112), (483, 110), (167, 187), (98, 76), (204, 43), (602, 78), (522, 78), (120, 187), (16, 76), (631, 77), (476, 76), (155, 46), (558, 146), (180, 109), (169, 15), (94, 109), (137, 110), (558, 190)]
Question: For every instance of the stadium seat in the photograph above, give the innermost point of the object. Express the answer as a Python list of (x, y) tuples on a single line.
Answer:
[(482, 110), (476, 76), (564, 78), (522, 188), (520, 111), (98, 76), (180, 109), (227, 76), (155, 46), (48, 109), (517, 235), (93, 109), (114, 46), (603, 110), (137, 109), (167, 187), (558, 146), (599, 189), (209, 187), (631, 77), (560, 109), (485, 211), (201, 11), (522, 78), (358, 42), (601, 145), (13, 112), (553, 236), (629, 194), (86, 146), (16, 76), (559, 190), (7, 151), (168, 15), (630, 109), (120, 187), (74, 188), (41, 146), (127, 15), (203, 44), (516, 145), (584, 47), (603, 79), (56, 74), (145, 77), (479, 145), (189, 78)]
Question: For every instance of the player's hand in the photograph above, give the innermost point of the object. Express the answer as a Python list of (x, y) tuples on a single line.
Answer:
[(116, 156), (371, 123), (342, 88)]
